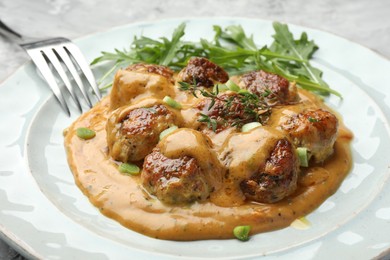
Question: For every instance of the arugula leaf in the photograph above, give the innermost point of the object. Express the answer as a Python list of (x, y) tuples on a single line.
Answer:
[(172, 46), (231, 49), (117, 56), (143, 49), (230, 58), (307, 76), (235, 34)]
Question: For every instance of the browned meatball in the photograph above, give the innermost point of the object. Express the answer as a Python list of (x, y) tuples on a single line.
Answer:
[(315, 129), (152, 68), (275, 89), (132, 134), (174, 181), (277, 179), (203, 72), (233, 110)]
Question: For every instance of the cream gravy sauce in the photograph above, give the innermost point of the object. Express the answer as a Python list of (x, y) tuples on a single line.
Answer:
[(124, 199)]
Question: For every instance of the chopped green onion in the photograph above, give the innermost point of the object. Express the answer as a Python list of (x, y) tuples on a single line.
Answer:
[(85, 133), (243, 91), (242, 232), (301, 223), (250, 126), (221, 88), (107, 86), (129, 168), (171, 102), (167, 131), (303, 157), (232, 86)]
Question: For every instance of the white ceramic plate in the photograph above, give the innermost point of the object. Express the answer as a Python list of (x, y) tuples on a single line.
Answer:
[(45, 215)]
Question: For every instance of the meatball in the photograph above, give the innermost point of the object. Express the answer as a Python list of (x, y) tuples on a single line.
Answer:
[(314, 129), (133, 133), (174, 181), (203, 72), (152, 68), (277, 179), (233, 110), (274, 88), (182, 168)]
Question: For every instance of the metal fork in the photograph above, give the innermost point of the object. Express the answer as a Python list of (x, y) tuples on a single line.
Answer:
[(49, 56)]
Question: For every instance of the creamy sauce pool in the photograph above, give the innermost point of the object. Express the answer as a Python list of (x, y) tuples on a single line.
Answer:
[(124, 199)]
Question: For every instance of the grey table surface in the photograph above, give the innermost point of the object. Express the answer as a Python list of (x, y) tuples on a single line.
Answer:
[(366, 22)]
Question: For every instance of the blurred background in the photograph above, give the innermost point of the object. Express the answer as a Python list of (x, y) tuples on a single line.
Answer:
[(362, 21)]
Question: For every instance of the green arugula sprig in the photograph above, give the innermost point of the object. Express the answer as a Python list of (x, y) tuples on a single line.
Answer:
[(303, 73), (231, 49), (172, 52)]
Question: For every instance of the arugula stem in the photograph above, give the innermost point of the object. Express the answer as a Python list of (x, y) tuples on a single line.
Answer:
[(316, 87), (271, 54), (106, 86), (108, 73)]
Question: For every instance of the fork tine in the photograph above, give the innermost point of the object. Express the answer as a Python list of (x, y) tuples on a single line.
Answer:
[(58, 67), (69, 64), (79, 58), (43, 67)]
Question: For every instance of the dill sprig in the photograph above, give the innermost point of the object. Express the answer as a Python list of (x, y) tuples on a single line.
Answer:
[(212, 123), (233, 110)]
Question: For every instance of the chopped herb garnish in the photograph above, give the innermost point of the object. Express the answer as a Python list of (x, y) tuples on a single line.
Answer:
[(85, 133), (303, 156), (220, 88), (167, 131), (232, 86), (313, 120), (266, 93), (129, 168), (211, 122), (242, 232), (249, 126), (301, 223), (252, 107), (171, 102)]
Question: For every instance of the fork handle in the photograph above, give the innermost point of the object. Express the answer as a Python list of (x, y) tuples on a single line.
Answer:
[(10, 34)]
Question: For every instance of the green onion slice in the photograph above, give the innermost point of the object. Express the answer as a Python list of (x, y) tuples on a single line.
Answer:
[(243, 91), (171, 102), (85, 133), (232, 86), (129, 168), (250, 126), (242, 232), (303, 157), (167, 131), (221, 88), (301, 223)]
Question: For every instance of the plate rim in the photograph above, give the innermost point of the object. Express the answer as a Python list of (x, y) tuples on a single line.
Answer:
[(8, 235)]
